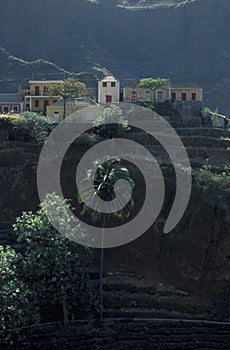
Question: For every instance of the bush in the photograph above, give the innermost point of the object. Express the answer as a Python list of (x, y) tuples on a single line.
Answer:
[(28, 126), (116, 124), (215, 186), (16, 306)]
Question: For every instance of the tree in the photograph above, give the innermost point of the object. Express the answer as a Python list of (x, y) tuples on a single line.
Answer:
[(70, 88), (133, 83), (16, 303), (153, 84), (105, 176), (53, 264), (111, 123)]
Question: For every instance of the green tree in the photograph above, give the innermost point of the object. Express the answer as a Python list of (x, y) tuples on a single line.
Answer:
[(105, 175), (70, 88), (153, 84), (116, 124), (54, 265), (16, 299), (134, 84)]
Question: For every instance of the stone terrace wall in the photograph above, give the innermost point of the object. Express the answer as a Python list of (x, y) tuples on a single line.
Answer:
[(130, 334)]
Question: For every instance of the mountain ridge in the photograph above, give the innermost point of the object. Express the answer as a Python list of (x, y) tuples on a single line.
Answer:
[(187, 42)]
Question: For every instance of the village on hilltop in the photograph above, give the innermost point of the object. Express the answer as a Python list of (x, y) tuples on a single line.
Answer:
[(36, 97)]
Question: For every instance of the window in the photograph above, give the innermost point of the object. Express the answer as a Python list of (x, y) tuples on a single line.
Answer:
[(36, 103), (160, 95), (193, 96), (147, 92), (104, 84), (15, 109), (56, 117), (173, 96), (6, 109), (183, 96), (27, 107), (113, 84), (46, 89)]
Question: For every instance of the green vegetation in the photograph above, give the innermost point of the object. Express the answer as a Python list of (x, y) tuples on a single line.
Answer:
[(215, 185), (28, 126), (50, 269), (116, 124), (207, 113), (153, 84), (54, 265), (70, 88), (17, 308), (105, 175)]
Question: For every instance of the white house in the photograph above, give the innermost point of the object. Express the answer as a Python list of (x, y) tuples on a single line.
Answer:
[(109, 90)]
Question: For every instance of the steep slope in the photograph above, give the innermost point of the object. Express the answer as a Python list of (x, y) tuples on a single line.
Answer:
[(186, 41), (15, 72)]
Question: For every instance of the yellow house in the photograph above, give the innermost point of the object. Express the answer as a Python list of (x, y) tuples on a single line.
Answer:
[(37, 97), (55, 112)]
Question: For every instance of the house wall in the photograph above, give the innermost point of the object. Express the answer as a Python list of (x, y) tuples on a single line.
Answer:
[(143, 93), (51, 110), (86, 112), (30, 103), (36, 99), (188, 91), (108, 90), (16, 107)]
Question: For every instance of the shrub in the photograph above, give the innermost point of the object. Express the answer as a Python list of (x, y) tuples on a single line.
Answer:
[(16, 306), (37, 125), (215, 186), (28, 126), (116, 124)]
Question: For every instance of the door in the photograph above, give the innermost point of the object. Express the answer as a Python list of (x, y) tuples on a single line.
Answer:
[(108, 98), (160, 95)]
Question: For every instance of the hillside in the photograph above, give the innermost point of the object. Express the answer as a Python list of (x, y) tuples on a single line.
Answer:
[(15, 72), (187, 41)]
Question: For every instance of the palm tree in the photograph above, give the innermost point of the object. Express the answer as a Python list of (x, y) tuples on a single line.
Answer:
[(105, 176)]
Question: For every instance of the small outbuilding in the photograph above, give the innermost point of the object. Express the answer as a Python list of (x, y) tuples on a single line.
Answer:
[(11, 103)]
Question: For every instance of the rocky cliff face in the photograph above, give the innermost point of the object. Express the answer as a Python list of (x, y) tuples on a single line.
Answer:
[(186, 41)]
